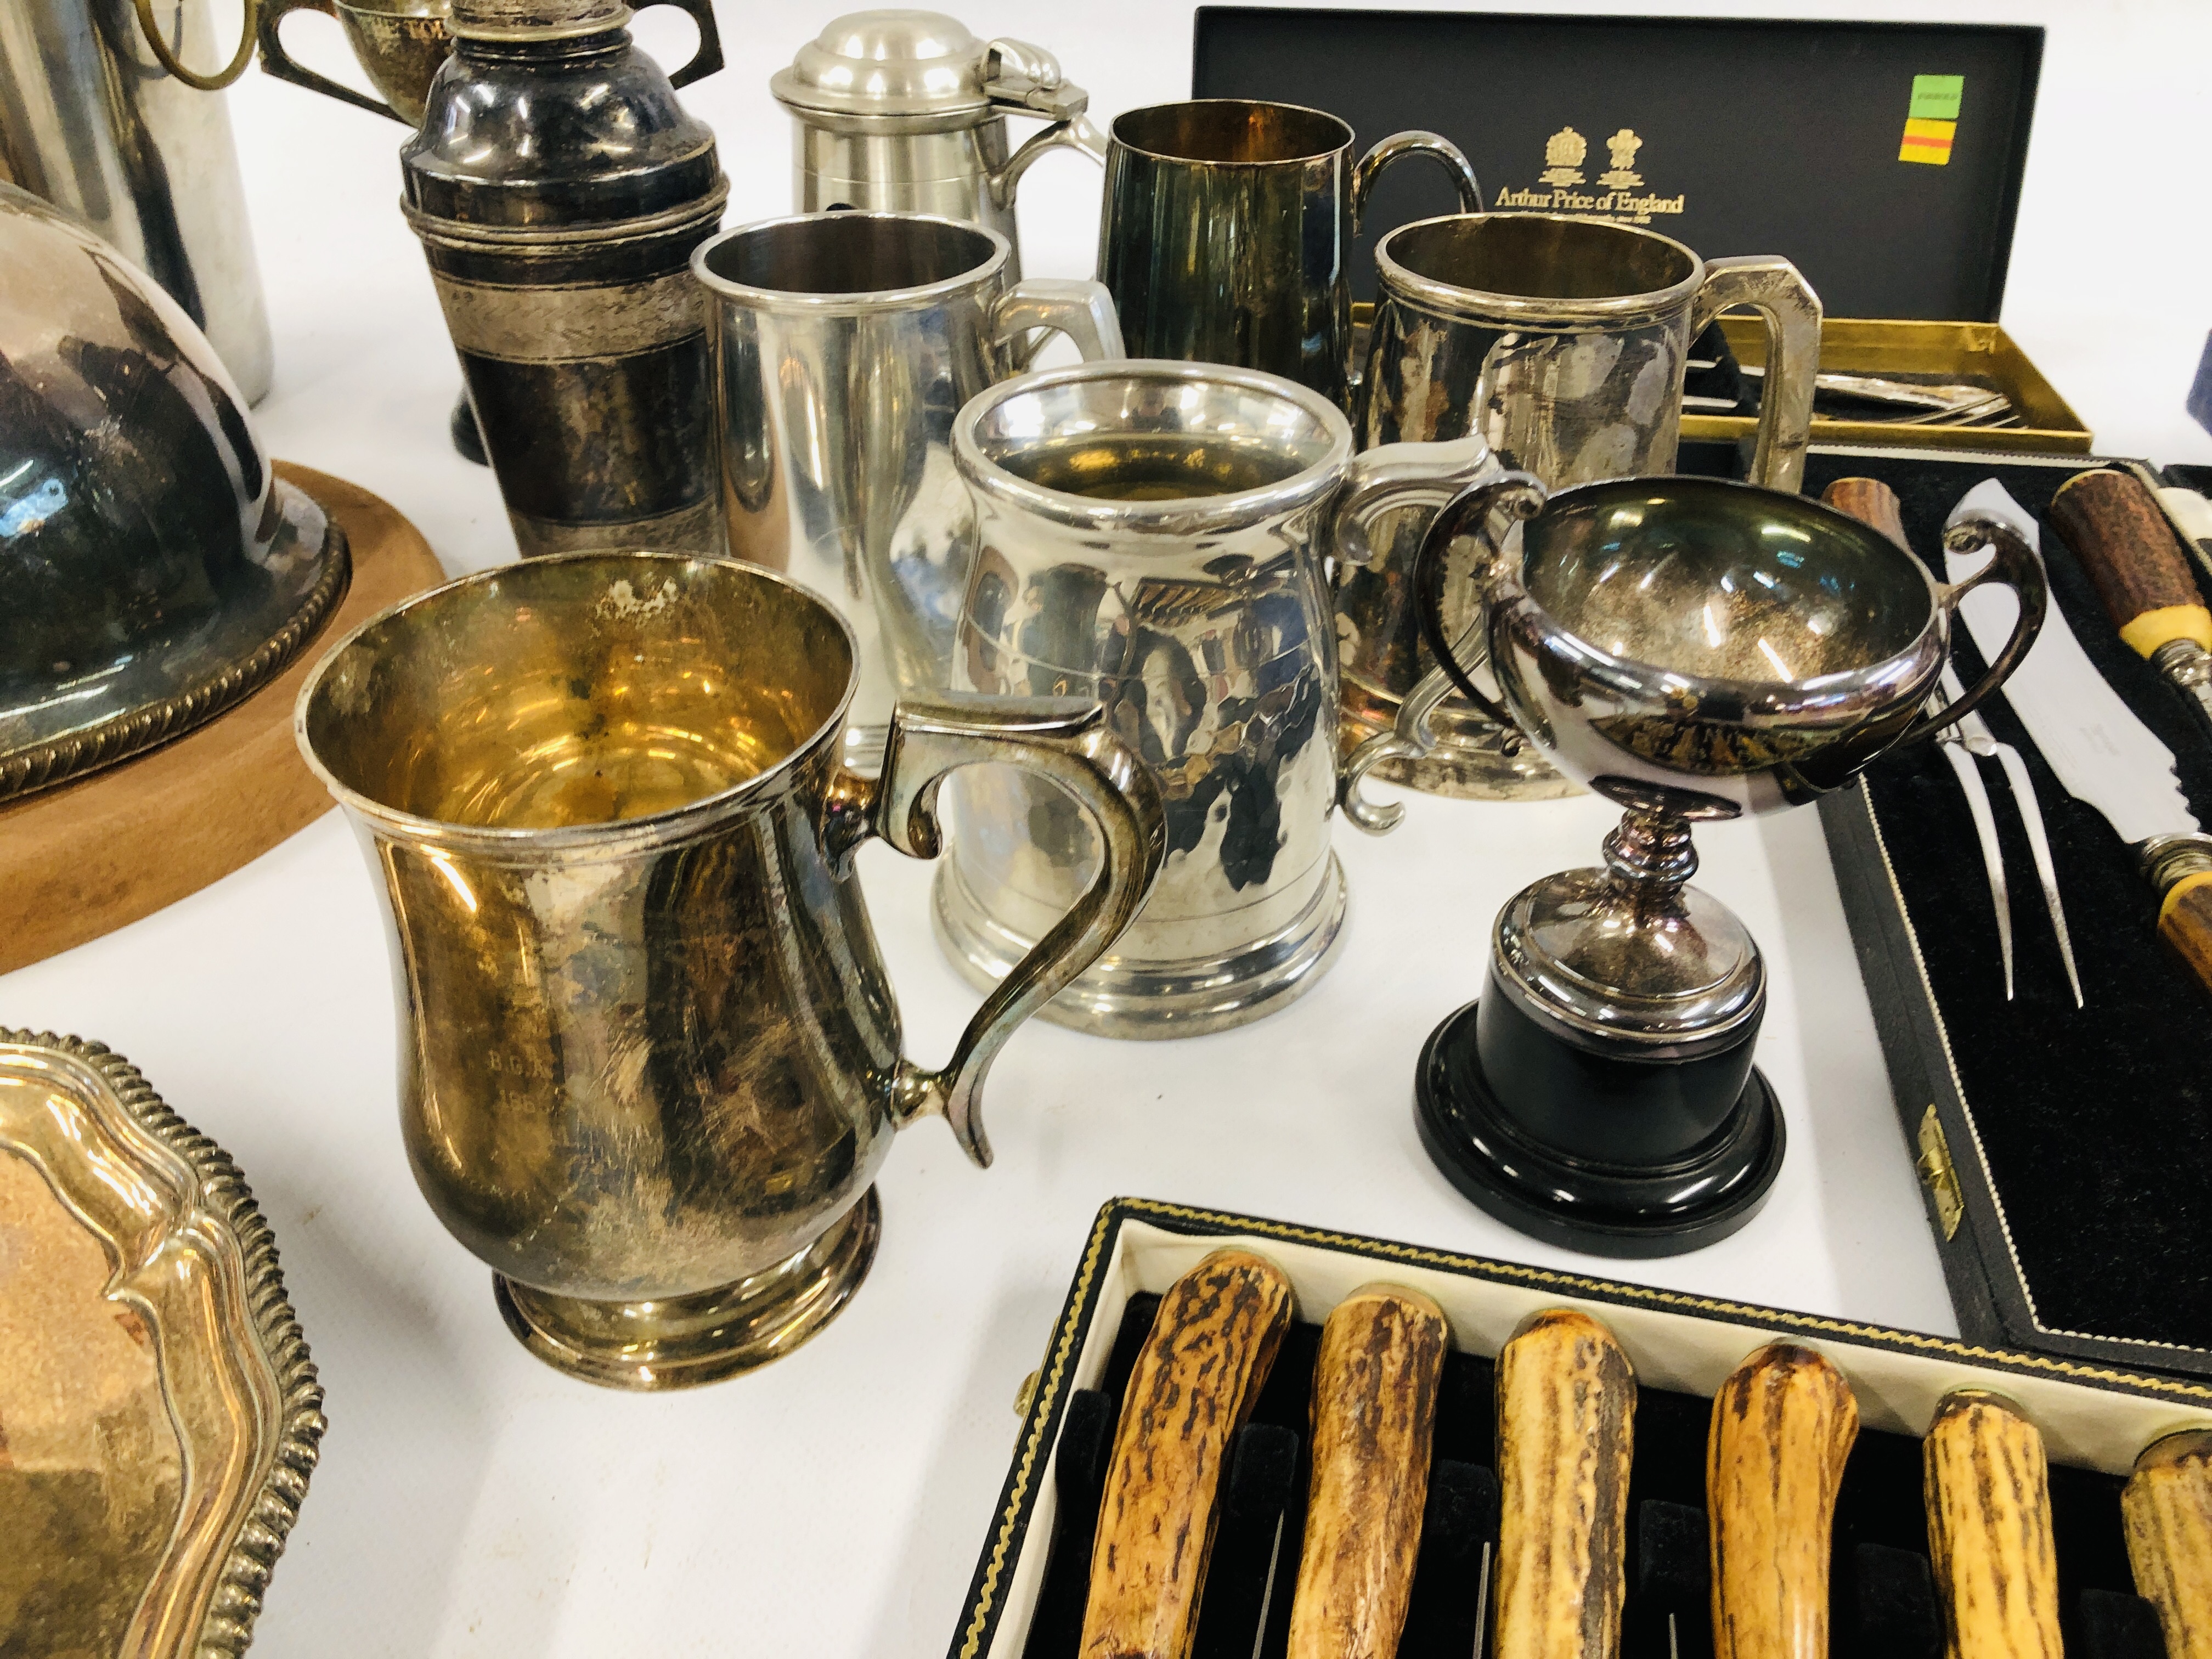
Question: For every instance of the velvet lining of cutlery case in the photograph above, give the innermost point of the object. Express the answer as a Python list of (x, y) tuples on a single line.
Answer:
[(2062, 1151)]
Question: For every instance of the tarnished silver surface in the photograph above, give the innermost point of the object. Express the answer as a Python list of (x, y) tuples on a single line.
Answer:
[(844, 345), (905, 112), (1223, 234), (1563, 341), (91, 121), (1690, 649), (651, 1060), (1153, 535), (152, 571)]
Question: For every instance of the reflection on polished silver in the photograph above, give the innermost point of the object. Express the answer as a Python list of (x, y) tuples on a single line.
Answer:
[(1565, 342), (91, 122), (153, 570), (1223, 234), (905, 112), (1153, 535), (652, 1060), (1689, 649), (844, 344)]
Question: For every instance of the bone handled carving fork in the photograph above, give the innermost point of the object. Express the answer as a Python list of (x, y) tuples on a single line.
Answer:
[(1966, 744)]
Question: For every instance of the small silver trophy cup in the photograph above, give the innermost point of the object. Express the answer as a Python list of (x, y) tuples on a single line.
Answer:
[(1689, 649)]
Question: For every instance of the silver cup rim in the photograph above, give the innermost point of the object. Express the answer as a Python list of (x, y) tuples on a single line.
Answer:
[(1114, 133), (1179, 515), (645, 828), (1847, 697), (795, 301), (1482, 304)]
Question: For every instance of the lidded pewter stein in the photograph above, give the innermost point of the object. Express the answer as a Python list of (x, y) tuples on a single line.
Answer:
[(559, 189), (1153, 535), (1691, 650), (1565, 342), (651, 1061), (905, 112)]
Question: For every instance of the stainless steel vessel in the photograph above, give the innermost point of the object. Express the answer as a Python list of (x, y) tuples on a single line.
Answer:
[(1222, 236), (651, 1061), (905, 112), (1563, 342), (94, 119), (559, 188), (1154, 535), (153, 570), (844, 344), (1690, 649)]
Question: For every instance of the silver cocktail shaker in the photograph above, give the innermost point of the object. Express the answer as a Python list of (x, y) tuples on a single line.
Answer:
[(559, 189), (93, 120)]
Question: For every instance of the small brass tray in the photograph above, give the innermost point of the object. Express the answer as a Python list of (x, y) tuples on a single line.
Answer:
[(1974, 353), (159, 1413)]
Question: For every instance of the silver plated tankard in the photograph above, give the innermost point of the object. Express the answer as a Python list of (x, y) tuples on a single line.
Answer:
[(1153, 535), (1563, 342), (844, 344)]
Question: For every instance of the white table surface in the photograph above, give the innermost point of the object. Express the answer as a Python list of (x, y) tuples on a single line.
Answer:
[(470, 1501)]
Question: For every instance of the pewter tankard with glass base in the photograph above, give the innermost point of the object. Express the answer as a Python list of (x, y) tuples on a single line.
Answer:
[(1690, 649), (650, 1062), (905, 112), (844, 344), (1563, 342), (1153, 535)]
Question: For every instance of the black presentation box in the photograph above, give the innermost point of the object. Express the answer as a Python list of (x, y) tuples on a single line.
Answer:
[(1733, 135), (2062, 1149)]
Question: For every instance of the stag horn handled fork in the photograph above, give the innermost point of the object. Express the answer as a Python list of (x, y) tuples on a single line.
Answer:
[(1969, 742)]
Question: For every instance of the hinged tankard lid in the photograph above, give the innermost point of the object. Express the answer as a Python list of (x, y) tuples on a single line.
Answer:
[(922, 65)]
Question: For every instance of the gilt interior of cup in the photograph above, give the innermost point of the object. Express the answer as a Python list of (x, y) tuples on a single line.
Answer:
[(1728, 595), (815, 259), (565, 693), (1187, 448), (1231, 132), (1541, 256)]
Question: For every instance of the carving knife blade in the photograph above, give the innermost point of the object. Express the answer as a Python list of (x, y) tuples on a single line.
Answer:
[(2101, 752)]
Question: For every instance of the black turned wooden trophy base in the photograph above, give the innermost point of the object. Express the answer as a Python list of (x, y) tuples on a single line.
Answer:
[(1568, 1198)]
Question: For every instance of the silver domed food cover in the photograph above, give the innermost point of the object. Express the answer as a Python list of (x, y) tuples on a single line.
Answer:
[(153, 570)]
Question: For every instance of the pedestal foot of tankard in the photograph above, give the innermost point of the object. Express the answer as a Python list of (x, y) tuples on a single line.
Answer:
[(687, 1340), (1144, 997), (1603, 1208)]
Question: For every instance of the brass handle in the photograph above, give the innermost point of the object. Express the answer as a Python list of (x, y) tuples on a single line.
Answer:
[(276, 61), (2020, 568), (1066, 741), (1791, 311), (169, 61), (1082, 310), (1434, 145)]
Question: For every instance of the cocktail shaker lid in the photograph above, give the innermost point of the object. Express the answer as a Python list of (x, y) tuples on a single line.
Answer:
[(921, 64)]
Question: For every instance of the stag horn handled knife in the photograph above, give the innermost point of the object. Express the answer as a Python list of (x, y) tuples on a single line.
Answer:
[(2102, 753), (1874, 504), (2123, 540)]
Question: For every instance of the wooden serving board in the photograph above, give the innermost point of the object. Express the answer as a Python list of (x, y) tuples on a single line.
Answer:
[(83, 859)]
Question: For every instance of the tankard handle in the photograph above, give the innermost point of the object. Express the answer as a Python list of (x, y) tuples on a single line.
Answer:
[(1080, 309), (1065, 741), (1414, 142), (2020, 568), (708, 59), (276, 61), (1791, 311)]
